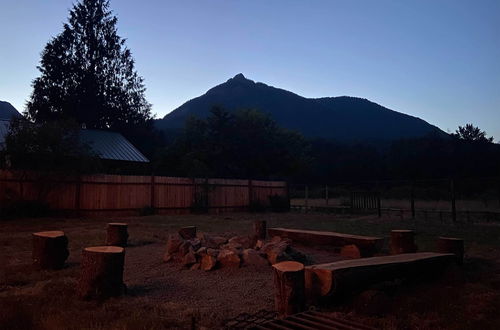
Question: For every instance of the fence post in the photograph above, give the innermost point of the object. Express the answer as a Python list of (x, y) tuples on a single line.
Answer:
[(412, 200), (78, 193), (250, 193), (379, 208), (152, 202), (326, 194), (453, 202), (306, 195)]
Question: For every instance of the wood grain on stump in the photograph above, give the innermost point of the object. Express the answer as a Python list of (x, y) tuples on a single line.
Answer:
[(289, 286), (451, 245), (117, 234), (403, 241), (188, 232), (259, 229), (101, 273), (50, 249)]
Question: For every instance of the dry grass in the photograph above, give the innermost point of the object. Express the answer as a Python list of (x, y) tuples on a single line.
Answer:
[(164, 296)]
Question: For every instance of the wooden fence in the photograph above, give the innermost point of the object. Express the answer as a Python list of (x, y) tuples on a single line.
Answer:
[(120, 195)]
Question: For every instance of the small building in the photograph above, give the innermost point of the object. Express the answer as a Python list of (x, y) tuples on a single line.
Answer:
[(107, 145)]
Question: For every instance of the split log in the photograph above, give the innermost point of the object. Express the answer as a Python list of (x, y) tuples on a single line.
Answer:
[(289, 287), (117, 234), (208, 262), (101, 273), (228, 259), (366, 244), (350, 275), (259, 229), (452, 245), (350, 251), (50, 249), (188, 232)]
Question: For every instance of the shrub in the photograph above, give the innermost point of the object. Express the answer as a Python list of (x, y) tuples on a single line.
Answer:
[(279, 203)]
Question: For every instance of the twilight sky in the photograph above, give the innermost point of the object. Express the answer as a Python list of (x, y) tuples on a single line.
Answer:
[(435, 59)]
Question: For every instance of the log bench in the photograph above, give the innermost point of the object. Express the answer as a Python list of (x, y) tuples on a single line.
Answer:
[(350, 275), (367, 245)]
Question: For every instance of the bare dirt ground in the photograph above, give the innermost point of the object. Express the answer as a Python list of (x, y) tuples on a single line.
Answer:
[(163, 295)]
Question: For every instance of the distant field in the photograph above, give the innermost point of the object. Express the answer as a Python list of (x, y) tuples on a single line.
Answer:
[(162, 296), (462, 205)]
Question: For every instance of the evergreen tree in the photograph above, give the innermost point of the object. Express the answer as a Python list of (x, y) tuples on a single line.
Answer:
[(87, 73)]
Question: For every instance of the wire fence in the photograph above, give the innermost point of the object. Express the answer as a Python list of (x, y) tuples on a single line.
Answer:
[(454, 200)]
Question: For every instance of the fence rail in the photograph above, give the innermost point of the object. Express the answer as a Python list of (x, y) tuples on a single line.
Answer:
[(119, 194), (455, 200)]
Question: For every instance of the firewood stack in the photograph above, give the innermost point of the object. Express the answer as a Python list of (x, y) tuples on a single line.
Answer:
[(50, 249), (208, 252)]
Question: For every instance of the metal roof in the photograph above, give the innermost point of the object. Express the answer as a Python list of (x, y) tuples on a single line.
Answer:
[(111, 145), (106, 144)]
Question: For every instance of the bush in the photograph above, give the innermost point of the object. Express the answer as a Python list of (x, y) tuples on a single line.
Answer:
[(29, 209), (279, 203), (146, 210)]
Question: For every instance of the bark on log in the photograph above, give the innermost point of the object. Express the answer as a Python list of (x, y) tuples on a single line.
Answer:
[(50, 250), (350, 275), (452, 245), (367, 245), (101, 273), (117, 234), (403, 241), (188, 232), (259, 229), (289, 288)]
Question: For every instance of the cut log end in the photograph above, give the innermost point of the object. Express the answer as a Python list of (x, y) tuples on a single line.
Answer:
[(289, 266), (51, 234), (104, 249)]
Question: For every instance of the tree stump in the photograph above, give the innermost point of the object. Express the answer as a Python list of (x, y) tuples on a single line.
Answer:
[(452, 245), (402, 241), (259, 229), (50, 249), (188, 232), (117, 234), (289, 283), (101, 272)]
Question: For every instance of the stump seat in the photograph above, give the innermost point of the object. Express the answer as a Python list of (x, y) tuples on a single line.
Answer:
[(339, 277), (101, 274), (50, 249), (289, 286), (117, 234), (403, 241)]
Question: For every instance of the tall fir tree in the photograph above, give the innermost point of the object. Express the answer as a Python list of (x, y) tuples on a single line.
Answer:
[(88, 74)]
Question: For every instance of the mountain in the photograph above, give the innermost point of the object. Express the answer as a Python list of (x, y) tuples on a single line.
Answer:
[(7, 111), (342, 118)]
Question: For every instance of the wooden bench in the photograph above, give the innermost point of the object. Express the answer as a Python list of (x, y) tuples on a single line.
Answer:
[(367, 245), (350, 275)]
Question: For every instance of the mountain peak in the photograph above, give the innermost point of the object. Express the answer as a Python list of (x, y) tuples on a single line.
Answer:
[(239, 76)]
